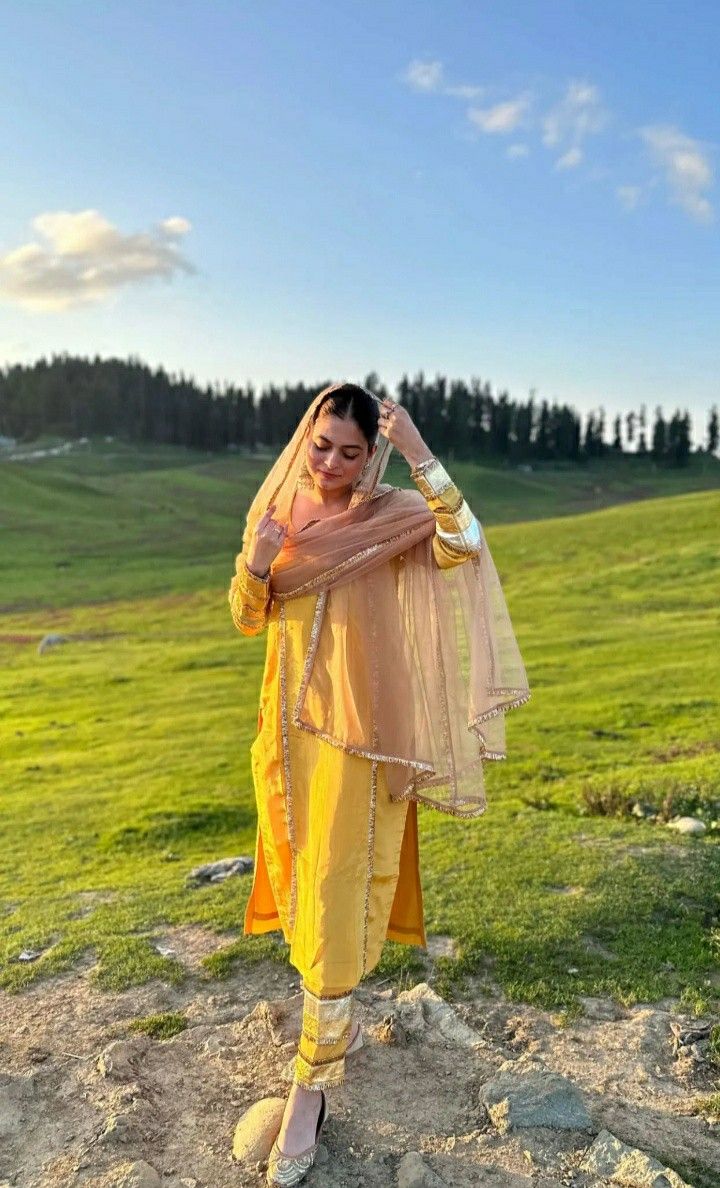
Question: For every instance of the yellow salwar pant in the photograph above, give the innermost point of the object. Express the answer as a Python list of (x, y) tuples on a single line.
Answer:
[(336, 860)]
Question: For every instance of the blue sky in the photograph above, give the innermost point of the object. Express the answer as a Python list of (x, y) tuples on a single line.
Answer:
[(306, 191)]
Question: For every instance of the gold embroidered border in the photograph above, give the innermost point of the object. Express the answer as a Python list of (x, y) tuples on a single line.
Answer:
[(326, 997), (458, 551), (466, 543), (475, 562), (342, 566), (327, 1020), (324, 1038), (416, 764), (286, 765), (422, 466), (523, 695), (318, 1076), (447, 737), (310, 654), (433, 479), (454, 522), (374, 686), (450, 501), (370, 857)]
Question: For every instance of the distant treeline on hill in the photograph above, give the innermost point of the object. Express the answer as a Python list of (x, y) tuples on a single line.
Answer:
[(78, 397)]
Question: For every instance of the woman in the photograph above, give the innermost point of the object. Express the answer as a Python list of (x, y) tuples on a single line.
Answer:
[(390, 662)]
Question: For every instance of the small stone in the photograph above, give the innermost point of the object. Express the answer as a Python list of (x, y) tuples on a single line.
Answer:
[(613, 1159), (440, 1017), (120, 1058), (257, 1130), (140, 1175), (689, 825), (535, 1097), (413, 1172), (390, 1031), (50, 640), (217, 872), (117, 1129)]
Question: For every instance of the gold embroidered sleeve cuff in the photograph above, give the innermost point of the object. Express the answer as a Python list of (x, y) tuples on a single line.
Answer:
[(458, 531), (249, 597), (255, 587)]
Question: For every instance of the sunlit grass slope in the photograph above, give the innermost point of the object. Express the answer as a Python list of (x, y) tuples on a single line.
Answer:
[(115, 520), (125, 754)]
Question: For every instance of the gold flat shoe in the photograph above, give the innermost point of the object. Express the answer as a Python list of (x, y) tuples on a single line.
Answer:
[(286, 1170)]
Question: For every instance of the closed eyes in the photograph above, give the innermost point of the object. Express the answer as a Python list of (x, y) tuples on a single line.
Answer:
[(350, 457)]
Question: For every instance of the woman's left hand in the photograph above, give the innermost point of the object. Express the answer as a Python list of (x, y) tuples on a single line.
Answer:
[(398, 426)]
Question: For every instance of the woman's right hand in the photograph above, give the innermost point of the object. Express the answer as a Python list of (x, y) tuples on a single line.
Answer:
[(267, 541)]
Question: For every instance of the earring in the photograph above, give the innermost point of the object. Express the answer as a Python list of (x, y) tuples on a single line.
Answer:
[(359, 480), (304, 478)]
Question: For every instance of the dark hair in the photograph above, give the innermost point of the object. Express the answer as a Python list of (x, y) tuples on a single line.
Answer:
[(352, 401)]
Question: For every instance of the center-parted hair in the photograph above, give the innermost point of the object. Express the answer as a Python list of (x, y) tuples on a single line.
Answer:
[(352, 401)]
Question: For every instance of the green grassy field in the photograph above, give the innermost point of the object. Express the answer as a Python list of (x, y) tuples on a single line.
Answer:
[(125, 754)]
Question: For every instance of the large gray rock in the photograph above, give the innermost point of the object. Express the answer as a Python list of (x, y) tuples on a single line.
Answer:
[(533, 1096), (611, 1158)]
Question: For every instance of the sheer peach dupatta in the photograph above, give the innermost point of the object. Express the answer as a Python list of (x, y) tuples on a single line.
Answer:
[(407, 664)]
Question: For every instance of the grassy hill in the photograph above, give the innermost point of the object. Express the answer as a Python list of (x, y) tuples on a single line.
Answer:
[(125, 753)]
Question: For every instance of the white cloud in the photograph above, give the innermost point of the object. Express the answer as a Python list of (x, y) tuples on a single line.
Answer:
[(176, 226), (502, 117), (565, 128), (570, 159), (578, 114), (687, 170), (429, 76), (629, 196), (423, 76), (85, 258)]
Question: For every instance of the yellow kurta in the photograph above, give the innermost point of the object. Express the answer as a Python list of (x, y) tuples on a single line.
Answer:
[(336, 860), (356, 875)]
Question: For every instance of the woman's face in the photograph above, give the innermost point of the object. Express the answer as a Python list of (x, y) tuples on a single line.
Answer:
[(336, 452)]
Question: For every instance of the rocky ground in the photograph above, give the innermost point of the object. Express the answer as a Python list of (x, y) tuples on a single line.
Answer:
[(478, 1092)]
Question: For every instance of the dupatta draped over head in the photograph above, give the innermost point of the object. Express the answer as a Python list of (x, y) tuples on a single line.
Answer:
[(408, 664)]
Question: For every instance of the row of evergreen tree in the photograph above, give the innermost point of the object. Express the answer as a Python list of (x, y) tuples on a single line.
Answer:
[(78, 397)]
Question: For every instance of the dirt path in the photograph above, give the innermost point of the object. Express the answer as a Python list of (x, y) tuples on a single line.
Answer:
[(75, 1112)]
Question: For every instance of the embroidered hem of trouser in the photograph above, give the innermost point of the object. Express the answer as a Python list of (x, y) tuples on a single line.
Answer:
[(326, 1026)]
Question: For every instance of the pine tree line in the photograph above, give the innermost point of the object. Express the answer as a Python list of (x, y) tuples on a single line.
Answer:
[(77, 397)]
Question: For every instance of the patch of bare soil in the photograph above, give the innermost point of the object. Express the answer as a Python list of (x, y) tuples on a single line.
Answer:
[(86, 1102)]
